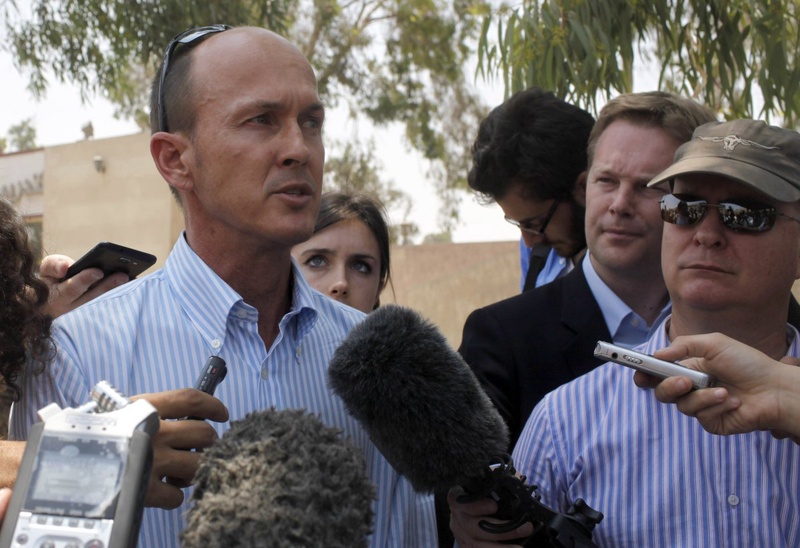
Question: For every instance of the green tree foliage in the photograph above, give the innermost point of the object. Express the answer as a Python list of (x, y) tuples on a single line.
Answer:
[(356, 171), (22, 136), (391, 60), (727, 53)]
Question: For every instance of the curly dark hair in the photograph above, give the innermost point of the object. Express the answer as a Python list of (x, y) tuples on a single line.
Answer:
[(24, 326), (534, 138)]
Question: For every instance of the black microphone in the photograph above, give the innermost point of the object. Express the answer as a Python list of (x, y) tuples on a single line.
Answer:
[(280, 479), (427, 413)]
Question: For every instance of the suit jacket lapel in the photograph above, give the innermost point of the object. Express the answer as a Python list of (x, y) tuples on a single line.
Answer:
[(582, 324)]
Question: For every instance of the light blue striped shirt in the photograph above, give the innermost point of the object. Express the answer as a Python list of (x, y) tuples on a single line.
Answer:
[(659, 478), (155, 334)]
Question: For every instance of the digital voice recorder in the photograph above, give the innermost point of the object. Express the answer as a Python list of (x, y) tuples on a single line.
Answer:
[(83, 475), (650, 365)]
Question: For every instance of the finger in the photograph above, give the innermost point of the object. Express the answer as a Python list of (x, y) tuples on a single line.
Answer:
[(72, 289), (54, 267), (106, 284), (700, 346), (180, 483), (186, 435), (790, 360), (643, 380), (5, 497), (186, 402), (672, 388), (466, 517), (162, 495), (468, 532), (481, 507), (172, 459), (780, 434), (707, 403)]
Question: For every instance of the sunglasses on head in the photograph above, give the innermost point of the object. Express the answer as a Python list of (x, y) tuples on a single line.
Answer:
[(753, 217), (191, 36)]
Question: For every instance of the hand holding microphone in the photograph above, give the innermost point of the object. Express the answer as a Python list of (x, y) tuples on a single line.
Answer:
[(425, 410)]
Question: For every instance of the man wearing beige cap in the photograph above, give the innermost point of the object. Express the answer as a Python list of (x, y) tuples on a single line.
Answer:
[(730, 254)]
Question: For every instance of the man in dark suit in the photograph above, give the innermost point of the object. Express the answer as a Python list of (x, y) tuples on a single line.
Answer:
[(523, 347)]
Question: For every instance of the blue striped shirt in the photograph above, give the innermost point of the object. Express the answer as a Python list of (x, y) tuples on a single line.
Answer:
[(155, 334), (659, 478)]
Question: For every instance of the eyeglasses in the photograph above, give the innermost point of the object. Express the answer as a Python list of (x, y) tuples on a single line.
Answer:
[(739, 218), (185, 38), (528, 224)]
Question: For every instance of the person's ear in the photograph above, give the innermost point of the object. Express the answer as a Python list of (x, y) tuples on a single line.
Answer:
[(579, 190), (169, 154)]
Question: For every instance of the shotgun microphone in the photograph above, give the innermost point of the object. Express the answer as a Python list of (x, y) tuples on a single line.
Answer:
[(427, 413)]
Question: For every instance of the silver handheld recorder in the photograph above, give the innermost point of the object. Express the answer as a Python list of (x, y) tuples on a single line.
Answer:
[(83, 475)]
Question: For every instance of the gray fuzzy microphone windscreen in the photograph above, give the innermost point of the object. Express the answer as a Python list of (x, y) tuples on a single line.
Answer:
[(418, 400), (280, 479)]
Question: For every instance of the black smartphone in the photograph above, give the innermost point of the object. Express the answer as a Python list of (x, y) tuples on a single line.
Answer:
[(650, 365), (111, 258)]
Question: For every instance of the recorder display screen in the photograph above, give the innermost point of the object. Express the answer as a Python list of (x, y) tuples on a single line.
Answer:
[(77, 477)]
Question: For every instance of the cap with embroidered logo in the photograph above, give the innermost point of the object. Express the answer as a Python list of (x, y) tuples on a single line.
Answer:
[(750, 152)]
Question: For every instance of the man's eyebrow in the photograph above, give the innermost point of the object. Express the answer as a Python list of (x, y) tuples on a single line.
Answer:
[(279, 105), (315, 108)]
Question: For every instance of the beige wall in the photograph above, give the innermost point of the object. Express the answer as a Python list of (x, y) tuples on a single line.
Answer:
[(128, 203), (445, 282)]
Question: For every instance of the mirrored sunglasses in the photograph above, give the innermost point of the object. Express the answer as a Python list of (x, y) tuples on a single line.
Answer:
[(737, 217)]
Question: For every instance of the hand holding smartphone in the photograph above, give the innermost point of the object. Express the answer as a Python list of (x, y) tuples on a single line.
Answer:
[(650, 365), (111, 258)]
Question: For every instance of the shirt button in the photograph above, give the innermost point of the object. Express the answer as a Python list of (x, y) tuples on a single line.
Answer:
[(635, 322), (298, 352), (733, 500), (242, 313), (216, 343), (263, 373)]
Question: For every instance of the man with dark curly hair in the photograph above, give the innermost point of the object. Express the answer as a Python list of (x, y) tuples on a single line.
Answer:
[(530, 158)]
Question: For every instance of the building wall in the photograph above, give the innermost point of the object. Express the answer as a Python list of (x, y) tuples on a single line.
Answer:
[(127, 202), (445, 282)]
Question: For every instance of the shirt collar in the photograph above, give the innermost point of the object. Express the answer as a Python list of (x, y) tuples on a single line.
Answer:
[(209, 301), (614, 310)]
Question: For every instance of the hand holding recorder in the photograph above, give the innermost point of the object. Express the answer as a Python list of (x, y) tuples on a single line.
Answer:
[(650, 365), (753, 391)]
